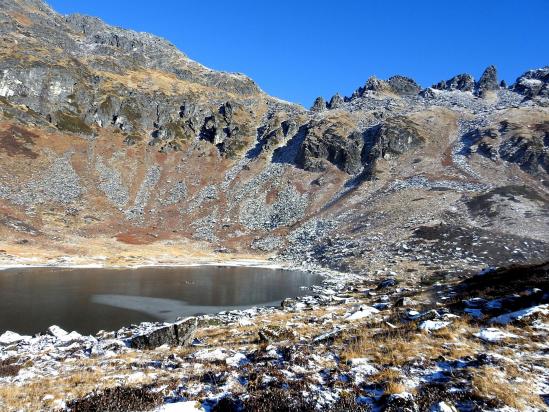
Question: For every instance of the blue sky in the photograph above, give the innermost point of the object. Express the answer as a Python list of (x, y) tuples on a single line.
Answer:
[(297, 50)]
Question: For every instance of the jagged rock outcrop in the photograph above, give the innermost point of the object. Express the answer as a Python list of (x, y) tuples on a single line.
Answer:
[(332, 140), (463, 82), (335, 102), (403, 86), (319, 105), (400, 85), (533, 83), (343, 145), (488, 82), (389, 139), (526, 146)]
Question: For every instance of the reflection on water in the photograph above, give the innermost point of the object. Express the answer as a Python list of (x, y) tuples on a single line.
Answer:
[(88, 300)]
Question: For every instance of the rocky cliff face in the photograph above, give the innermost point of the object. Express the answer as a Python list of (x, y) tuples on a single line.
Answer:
[(108, 135)]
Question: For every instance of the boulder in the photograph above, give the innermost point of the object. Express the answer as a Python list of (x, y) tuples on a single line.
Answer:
[(177, 334), (9, 338), (387, 283), (399, 402), (443, 407), (405, 301)]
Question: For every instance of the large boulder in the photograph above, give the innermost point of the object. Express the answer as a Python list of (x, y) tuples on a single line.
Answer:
[(177, 334)]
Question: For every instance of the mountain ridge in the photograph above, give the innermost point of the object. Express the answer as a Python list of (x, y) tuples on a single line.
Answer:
[(117, 136)]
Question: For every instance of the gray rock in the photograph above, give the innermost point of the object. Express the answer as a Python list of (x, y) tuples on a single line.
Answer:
[(178, 334), (328, 145), (488, 81), (387, 283), (400, 403), (463, 82), (403, 86), (405, 301), (319, 105), (389, 139), (336, 101), (533, 83)]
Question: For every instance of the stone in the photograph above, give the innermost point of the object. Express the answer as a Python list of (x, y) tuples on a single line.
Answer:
[(56, 331), (387, 283), (405, 301), (177, 334), (9, 338), (399, 402), (430, 325), (443, 407), (363, 312)]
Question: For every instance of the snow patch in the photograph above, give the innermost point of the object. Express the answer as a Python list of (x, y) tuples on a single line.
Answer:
[(522, 314), (493, 335)]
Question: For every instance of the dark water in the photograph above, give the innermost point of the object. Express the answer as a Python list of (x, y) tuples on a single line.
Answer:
[(88, 300)]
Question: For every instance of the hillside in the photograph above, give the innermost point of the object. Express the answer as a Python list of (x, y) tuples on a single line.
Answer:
[(112, 137), (117, 149)]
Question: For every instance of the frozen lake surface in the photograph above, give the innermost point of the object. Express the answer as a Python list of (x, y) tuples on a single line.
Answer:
[(88, 300)]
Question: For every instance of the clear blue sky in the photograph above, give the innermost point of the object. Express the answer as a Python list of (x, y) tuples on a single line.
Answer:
[(297, 50)]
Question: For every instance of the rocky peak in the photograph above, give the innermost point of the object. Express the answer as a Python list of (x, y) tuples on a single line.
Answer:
[(319, 104), (399, 85), (533, 83), (463, 82), (403, 86), (336, 101), (488, 81)]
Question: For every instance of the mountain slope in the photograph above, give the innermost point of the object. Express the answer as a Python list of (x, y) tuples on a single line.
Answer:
[(115, 143)]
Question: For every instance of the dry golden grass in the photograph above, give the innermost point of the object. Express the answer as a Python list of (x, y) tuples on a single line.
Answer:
[(30, 396), (490, 383), (397, 347), (158, 81), (394, 387)]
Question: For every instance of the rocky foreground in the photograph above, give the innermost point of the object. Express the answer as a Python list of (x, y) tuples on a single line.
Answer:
[(449, 343), (118, 150)]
